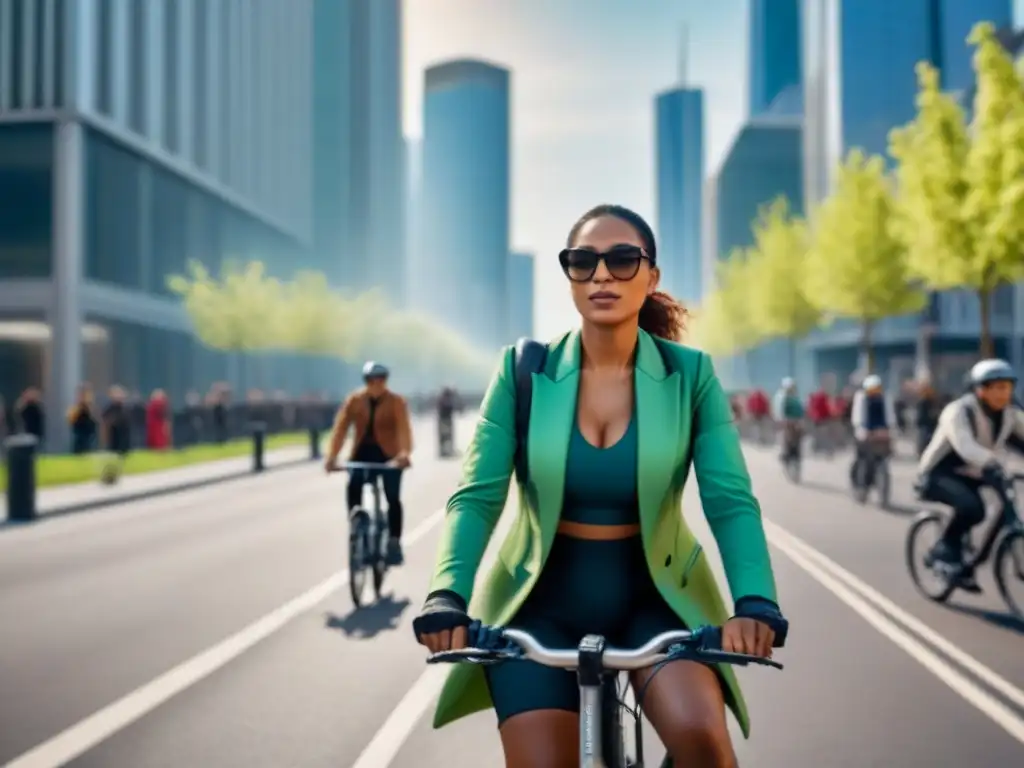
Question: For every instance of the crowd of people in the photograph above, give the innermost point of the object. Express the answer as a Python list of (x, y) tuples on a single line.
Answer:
[(828, 411), (121, 421)]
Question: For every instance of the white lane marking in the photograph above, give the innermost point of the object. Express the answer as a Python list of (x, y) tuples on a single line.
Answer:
[(818, 567), (396, 729), (101, 725)]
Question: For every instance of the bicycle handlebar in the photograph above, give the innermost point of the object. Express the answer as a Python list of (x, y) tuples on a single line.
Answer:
[(348, 466), (703, 645)]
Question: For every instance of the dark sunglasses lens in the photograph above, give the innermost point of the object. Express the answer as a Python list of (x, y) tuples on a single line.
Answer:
[(623, 265), (580, 265)]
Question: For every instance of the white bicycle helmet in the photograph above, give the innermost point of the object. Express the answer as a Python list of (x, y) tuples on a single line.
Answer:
[(872, 382), (788, 383), (988, 371), (375, 370)]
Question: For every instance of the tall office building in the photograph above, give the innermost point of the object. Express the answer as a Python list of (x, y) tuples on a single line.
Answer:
[(679, 161), (774, 51), (462, 261), (133, 137), (860, 83), (520, 296), (359, 176)]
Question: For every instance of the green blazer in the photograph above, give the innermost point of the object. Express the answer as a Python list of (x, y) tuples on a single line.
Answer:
[(671, 408)]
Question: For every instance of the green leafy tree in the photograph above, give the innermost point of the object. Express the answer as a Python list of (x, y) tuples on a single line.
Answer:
[(723, 326), (779, 305), (961, 187), (240, 312), (857, 266)]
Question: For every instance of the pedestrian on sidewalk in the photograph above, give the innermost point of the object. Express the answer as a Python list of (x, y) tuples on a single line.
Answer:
[(158, 428), (83, 422), (29, 414)]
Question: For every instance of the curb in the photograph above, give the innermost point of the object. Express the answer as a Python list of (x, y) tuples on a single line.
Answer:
[(166, 490)]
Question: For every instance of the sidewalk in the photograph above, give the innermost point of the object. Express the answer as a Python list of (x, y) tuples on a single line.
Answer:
[(80, 497)]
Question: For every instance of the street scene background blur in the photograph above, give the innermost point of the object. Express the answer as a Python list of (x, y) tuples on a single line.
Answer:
[(214, 212)]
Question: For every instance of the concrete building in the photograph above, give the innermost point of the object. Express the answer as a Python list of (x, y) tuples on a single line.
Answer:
[(462, 261), (134, 136), (359, 177), (859, 60), (520, 296)]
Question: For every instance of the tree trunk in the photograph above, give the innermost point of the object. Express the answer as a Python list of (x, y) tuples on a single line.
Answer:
[(987, 348), (867, 349)]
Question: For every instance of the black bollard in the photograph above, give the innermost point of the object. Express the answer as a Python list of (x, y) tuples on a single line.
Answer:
[(259, 437), (21, 477), (314, 443)]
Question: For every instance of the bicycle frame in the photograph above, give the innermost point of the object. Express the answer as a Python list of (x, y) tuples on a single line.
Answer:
[(1009, 519)]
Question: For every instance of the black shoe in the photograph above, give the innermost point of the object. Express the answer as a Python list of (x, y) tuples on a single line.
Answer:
[(951, 561), (394, 555)]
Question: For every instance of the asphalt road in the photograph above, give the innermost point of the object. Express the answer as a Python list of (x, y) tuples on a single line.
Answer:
[(169, 634)]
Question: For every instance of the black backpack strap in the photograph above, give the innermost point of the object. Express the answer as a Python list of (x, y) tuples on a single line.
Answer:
[(530, 357)]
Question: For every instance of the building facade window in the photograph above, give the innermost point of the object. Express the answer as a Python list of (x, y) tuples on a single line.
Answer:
[(201, 74), (172, 57), (113, 213), (60, 27), (138, 73), (167, 225), (26, 201), (17, 55), (105, 57), (226, 91), (37, 98)]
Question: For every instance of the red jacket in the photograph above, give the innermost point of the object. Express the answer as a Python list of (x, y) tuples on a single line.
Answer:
[(158, 434), (757, 404), (819, 406)]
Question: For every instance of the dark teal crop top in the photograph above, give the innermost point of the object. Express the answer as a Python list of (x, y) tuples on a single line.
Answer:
[(600, 483)]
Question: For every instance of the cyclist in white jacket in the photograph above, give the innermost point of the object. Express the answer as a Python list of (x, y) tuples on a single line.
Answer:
[(963, 455)]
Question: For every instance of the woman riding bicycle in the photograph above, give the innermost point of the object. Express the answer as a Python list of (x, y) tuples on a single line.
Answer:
[(963, 456), (599, 544)]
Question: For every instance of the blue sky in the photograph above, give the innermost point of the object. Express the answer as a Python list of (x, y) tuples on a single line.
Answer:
[(585, 73)]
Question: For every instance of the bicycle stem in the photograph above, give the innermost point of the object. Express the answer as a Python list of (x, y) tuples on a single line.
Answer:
[(591, 741)]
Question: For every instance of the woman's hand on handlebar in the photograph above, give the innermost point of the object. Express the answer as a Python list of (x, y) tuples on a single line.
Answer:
[(749, 636), (442, 624)]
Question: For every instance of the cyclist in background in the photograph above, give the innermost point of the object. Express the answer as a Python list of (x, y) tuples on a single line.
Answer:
[(872, 416), (383, 435), (788, 412), (819, 410), (963, 456)]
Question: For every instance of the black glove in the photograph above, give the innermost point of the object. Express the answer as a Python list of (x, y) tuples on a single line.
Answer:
[(765, 611), (443, 610), (992, 473)]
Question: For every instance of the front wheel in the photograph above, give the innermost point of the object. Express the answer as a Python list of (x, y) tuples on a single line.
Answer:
[(1009, 568), (380, 566), (360, 552), (924, 534)]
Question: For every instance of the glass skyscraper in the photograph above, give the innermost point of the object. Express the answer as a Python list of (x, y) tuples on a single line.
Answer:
[(462, 262), (679, 125), (359, 177), (774, 51), (134, 136)]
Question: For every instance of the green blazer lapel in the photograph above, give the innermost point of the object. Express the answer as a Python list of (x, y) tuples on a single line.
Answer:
[(658, 399), (552, 416)]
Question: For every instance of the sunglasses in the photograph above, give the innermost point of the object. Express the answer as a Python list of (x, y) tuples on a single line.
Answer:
[(622, 261)]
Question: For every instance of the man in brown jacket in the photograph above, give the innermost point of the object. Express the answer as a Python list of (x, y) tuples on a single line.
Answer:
[(383, 435)]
